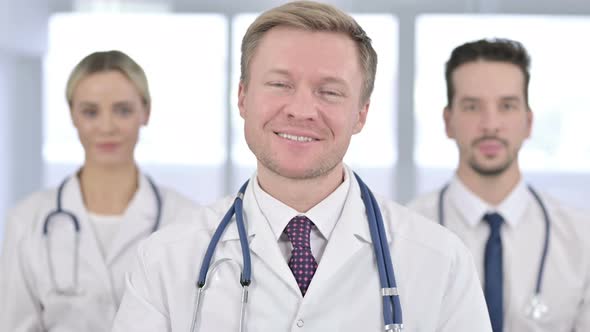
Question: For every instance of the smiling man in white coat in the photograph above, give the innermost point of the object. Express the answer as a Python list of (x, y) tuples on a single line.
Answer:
[(307, 75)]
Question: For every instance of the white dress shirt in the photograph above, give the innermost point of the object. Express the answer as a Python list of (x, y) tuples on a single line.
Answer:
[(438, 285), (105, 228), (566, 279), (324, 216)]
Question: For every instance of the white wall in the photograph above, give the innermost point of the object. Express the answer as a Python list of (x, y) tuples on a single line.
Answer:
[(20, 127), (23, 30)]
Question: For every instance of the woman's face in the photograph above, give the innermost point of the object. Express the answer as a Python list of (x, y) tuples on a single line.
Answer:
[(108, 112)]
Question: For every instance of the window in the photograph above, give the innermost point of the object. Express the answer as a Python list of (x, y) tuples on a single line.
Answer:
[(185, 138)]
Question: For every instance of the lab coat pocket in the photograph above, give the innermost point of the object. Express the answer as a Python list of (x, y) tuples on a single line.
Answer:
[(74, 312)]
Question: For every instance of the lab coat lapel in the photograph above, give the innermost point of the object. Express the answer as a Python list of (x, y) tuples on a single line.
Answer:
[(138, 220), (263, 243), (90, 256), (350, 235)]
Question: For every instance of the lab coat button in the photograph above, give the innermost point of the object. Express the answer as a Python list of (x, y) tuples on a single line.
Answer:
[(300, 323)]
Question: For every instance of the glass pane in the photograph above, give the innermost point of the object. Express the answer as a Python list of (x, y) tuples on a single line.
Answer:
[(121, 5), (376, 145)]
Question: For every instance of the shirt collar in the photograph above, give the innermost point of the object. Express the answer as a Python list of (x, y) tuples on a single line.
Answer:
[(324, 215), (472, 208), (514, 206)]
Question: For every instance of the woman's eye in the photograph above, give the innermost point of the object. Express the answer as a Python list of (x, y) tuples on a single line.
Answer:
[(88, 112), (123, 109)]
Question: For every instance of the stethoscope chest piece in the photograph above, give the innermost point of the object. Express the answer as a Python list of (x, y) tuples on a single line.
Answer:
[(536, 309)]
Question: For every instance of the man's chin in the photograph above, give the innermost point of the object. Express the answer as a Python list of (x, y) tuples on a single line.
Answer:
[(489, 170), (300, 172)]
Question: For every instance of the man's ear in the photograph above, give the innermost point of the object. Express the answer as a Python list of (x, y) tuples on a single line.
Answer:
[(529, 122), (447, 114), (241, 96), (362, 118)]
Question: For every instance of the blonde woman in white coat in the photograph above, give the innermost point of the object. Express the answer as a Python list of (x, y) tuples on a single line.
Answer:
[(66, 272)]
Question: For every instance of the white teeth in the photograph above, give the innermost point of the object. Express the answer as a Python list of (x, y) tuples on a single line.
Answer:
[(296, 138)]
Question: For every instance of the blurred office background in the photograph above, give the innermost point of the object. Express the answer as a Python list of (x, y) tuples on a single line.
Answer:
[(190, 52)]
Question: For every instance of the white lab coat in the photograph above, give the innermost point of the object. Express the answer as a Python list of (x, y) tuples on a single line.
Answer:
[(566, 278), (28, 300), (435, 275)]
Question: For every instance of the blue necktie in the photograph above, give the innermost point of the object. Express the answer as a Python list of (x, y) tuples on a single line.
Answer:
[(493, 288)]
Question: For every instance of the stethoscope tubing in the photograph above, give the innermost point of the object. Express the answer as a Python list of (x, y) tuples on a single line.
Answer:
[(59, 210), (245, 278), (391, 303), (546, 242), (392, 313)]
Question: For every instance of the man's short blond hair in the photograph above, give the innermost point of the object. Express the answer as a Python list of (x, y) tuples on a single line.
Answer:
[(312, 16)]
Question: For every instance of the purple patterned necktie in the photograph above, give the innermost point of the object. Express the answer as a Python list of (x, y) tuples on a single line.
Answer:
[(302, 263)]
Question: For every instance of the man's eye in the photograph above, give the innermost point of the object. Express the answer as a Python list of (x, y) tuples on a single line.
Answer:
[(331, 93), (470, 107), (278, 84), (508, 106)]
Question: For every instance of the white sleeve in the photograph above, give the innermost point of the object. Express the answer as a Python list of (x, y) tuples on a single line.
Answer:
[(463, 308), (19, 307), (138, 312)]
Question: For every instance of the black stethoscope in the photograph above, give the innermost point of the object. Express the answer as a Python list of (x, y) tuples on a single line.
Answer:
[(73, 288), (392, 312), (536, 308)]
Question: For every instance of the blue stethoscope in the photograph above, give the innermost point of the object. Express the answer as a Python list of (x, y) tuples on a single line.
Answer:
[(73, 288), (392, 312), (536, 309)]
